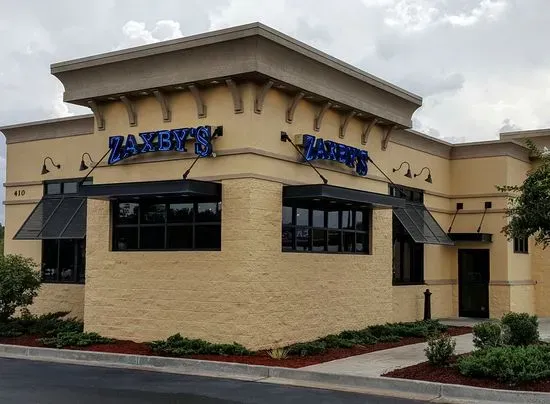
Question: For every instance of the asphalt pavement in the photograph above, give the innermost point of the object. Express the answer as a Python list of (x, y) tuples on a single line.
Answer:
[(33, 382)]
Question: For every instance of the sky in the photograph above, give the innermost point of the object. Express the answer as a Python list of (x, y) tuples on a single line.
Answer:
[(481, 66)]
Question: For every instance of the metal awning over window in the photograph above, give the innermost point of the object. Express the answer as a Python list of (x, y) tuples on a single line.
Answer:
[(421, 225), (55, 218)]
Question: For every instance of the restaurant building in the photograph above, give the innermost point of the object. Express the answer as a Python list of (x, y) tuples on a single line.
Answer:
[(242, 186)]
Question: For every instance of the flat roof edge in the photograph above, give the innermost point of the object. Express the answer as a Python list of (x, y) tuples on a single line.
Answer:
[(228, 34), (46, 122)]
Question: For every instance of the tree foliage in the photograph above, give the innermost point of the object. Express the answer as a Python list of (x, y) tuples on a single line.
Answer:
[(19, 284), (529, 203)]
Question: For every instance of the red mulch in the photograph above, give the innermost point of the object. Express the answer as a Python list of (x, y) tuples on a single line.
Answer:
[(259, 358), (451, 375)]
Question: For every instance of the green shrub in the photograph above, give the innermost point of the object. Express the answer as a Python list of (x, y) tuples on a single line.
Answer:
[(11, 328), (440, 349), (520, 329), (420, 329), (19, 284), (488, 335), (177, 345), (308, 348), (71, 338), (359, 337), (508, 364)]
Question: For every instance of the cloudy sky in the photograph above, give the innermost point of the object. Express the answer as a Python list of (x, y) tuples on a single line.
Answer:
[(482, 66)]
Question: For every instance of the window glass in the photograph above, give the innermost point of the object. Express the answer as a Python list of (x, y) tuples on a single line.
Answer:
[(302, 239), (347, 219), (49, 260), (70, 187), (348, 244), (208, 212), (207, 237), (334, 241), (359, 220), (287, 215), (180, 213), (67, 260), (302, 217), (318, 217), (332, 219), (288, 236), (127, 213), (153, 213), (81, 260), (361, 242), (318, 240), (53, 188), (126, 238), (180, 237), (151, 238)]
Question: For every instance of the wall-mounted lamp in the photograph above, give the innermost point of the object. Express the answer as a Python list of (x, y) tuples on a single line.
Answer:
[(83, 165), (408, 173), (428, 178), (44, 169)]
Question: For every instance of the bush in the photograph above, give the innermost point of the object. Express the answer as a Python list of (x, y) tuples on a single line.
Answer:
[(72, 338), (520, 329), (508, 364), (278, 353), (420, 329), (179, 346), (45, 325), (19, 284), (440, 349), (488, 335), (308, 348)]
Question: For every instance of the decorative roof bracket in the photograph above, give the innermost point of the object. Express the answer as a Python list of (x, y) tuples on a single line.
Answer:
[(292, 107), (130, 109), (98, 114), (260, 96), (319, 118), (369, 126), (165, 108), (236, 94), (201, 107), (344, 124), (386, 137)]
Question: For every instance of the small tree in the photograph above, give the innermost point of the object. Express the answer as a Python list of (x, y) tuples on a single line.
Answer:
[(529, 203), (19, 284)]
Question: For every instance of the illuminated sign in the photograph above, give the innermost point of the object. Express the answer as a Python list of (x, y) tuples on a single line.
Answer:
[(319, 149), (163, 141)]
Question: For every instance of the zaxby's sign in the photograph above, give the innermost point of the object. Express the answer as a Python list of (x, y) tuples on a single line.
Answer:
[(162, 141), (319, 149)]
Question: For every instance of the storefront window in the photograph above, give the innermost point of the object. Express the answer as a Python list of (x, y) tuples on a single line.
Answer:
[(408, 256), (324, 230), (166, 224), (63, 261)]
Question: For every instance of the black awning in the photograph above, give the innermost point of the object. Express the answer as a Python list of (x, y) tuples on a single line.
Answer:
[(471, 237), (175, 188), (55, 218), (421, 225), (339, 194)]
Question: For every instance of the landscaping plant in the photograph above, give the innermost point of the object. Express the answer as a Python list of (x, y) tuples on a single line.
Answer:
[(488, 334), (440, 349), (520, 329), (19, 284), (278, 353), (179, 346), (73, 339), (510, 364)]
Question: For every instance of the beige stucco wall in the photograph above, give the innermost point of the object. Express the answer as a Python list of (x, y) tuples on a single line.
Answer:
[(283, 297), (249, 292)]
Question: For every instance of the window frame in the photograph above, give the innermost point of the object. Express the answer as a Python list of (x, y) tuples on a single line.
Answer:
[(521, 245), (79, 276), (417, 252), (293, 228), (62, 183), (165, 224)]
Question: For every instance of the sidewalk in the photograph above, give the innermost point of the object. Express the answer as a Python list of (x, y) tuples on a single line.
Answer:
[(377, 363)]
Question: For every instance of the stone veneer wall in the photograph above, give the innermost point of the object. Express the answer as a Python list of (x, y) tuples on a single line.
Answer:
[(54, 297), (250, 292)]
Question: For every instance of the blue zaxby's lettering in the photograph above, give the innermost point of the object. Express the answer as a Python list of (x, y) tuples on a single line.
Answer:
[(159, 141), (319, 149)]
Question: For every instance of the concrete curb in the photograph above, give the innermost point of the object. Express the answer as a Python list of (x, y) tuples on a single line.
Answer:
[(382, 385)]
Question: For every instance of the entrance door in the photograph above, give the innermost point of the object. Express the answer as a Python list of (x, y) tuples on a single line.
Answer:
[(473, 283)]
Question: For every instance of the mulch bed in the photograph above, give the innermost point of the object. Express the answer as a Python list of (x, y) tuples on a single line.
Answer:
[(258, 358), (450, 375)]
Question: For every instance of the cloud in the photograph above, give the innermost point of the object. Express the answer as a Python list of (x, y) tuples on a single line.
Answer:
[(508, 126), (136, 33)]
